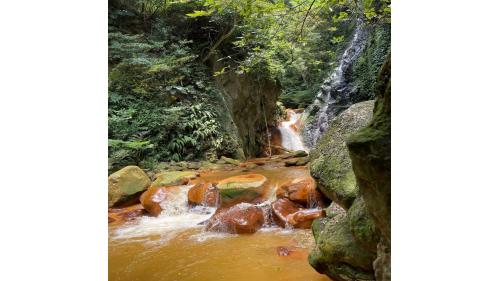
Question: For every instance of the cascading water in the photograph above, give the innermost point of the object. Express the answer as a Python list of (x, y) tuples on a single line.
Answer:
[(336, 93), (176, 215), (290, 137)]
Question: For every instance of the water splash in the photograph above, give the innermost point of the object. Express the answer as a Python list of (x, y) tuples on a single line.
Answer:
[(336, 94), (175, 217), (290, 137)]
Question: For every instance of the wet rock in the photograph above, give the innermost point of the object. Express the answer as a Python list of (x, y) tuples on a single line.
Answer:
[(302, 191), (305, 218), (330, 162), (241, 218), (126, 183), (203, 194), (152, 198), (173, 178), (283, 251), (242, 188), (125, 214), (287, 213)]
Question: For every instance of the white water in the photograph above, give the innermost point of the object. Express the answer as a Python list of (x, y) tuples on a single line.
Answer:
[(176, 216), (290, 138), (334, 94)]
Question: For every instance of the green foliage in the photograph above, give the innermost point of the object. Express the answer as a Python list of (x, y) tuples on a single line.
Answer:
[(162, 103)]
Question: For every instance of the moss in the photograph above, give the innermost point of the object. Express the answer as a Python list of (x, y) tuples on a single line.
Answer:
[(362, 225), (172, 178), (330, 161), (337, 253)]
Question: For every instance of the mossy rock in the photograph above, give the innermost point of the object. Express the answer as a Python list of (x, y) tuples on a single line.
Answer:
[(362, 225), (243, 188), (173, 178), (330, 161), (125, 183), (229, 160), (337, 254)]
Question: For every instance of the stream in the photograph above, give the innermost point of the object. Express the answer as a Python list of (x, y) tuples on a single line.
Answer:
[(176, 246)]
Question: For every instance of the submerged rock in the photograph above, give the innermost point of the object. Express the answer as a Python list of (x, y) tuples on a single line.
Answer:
[(173, 178), (203, 194), (240, 218), (125, 183), (330, 162), (301, 161), (243, 188)]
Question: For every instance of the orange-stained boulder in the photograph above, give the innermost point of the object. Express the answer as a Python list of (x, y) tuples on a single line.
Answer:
[(287, 213), (303, 191), (240, 218), (151, 199), (281, 209), (203, 194), (304, 218), (125, 214), (243, 188)]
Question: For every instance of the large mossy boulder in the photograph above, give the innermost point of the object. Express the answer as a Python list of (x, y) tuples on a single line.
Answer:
[(330, 161), (337, 253), (173, 178), (370, 150), (126, 183), (243, 188)]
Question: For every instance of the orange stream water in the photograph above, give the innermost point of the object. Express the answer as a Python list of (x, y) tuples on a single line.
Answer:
[(193, 254)]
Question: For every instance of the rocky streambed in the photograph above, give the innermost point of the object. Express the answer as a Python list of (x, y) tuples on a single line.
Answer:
[(227, 220)]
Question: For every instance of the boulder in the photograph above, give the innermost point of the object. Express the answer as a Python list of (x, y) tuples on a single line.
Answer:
[(125, 183), (330, 163), (242, 188), (301, 161), (240, 218), (203, 194), (173, 178), (152, 198), (362, 225), (305, 218), (302, 191), (286, 213), (337, 254)]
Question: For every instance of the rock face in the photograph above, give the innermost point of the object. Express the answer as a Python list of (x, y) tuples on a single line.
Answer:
[(125, 183), (356, 245), (337, 254), (287, 213), (243, 188), (370, 150), (330, 162), (203, 194), (252, 103), (173, 178), (240, 218)]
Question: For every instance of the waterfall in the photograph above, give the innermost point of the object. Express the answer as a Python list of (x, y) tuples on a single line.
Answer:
[(335, 94), (290, 137)]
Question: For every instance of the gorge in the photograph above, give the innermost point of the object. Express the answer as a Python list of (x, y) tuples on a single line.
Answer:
[(231, 159)]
